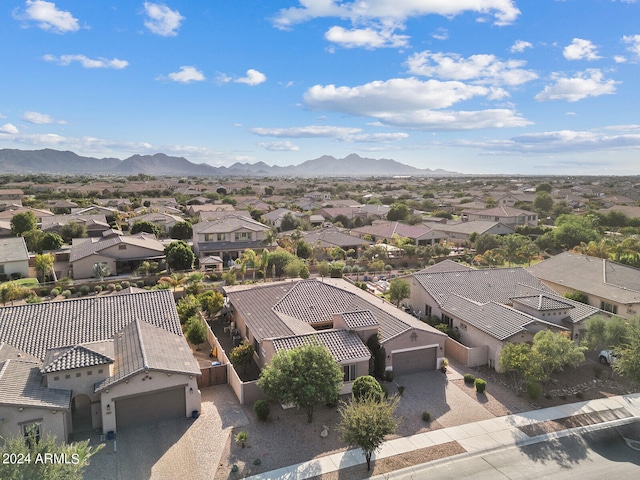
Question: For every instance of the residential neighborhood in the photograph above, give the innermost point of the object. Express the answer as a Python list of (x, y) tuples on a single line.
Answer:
[(134, 310)]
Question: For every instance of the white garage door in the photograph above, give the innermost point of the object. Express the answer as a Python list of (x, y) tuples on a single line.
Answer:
[(150, 408), (413, 361)]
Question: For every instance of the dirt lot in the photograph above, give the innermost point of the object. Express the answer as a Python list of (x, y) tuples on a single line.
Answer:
[(288, 439)]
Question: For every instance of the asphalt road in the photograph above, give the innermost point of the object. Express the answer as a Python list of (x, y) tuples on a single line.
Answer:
[(601, 455)]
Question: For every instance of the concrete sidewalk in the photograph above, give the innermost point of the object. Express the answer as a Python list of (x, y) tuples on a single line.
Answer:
[(486, 435)]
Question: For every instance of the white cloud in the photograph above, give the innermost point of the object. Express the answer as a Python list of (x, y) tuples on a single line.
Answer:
[(187, 74), (503, 11), (48, 17), (40, 118), (483, 68), (282, 146), (9, 128), (590, 83), (161, 20), (344, 134), (581, 49), (87, 62), (369, 38), (619, 59), (520, 46), (409, 102), (441, 34), (252, 78), (634, 44)]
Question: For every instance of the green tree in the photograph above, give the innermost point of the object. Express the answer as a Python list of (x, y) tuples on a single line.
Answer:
[(280, 258), (33, 239), (514, 359), (44, 265), (23, 222), (543, 203), (398, 212), (11, 291), (146, 227), (77, 453), (304, 376), (577, 296), (51, 241), (485, 242), (399, 289), (609, 333), (544, 187), (211, 302), (366, 386), (187, 307), (572, 230), (242, 355), (174, 280), (196, 332), (73, 230), (551, 352), (366, 423), (179, 256), (181, 231), (513, 246), (627, 363), (289, 222)]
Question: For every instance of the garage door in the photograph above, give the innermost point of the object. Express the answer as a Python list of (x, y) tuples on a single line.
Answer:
[(150, 408), (413, 361)]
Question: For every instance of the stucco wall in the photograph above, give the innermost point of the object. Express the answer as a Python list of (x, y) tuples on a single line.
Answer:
[(51, 423), (21, 267), (83, 268)]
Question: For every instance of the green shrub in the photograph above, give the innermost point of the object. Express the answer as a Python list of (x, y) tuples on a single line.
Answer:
[(401, 389), (72, 290), (426, 416), (32, 299), (118, 287), (385, 390), (481, 385), (111, 287), (66, 293), (125, 284), (44, 292), (469, 378), (54, 292), (366, 386), (140, 284), (262, 409), (388, 376), (85, 289), (534, 390), (97, 288)]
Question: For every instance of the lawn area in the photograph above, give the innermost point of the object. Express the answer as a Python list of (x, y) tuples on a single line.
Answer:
[(26, 282)]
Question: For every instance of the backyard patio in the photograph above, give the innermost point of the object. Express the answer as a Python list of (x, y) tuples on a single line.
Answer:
[(229, 339)]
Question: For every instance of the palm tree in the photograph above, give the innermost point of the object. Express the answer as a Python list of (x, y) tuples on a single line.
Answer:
[(101, 270), (175, 280)]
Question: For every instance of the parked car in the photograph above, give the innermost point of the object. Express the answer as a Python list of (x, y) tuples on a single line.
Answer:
[(607, 357)]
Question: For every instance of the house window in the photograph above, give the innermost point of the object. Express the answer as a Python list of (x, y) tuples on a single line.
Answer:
[(256, 347), (243, 236), (89, 372), (608, 307), (446, 319), (246, 331), (1, 269), (221, 237), (67, 376), (427, 310), (349, 373), (208, 237), (31, 431), (122, 247), (100, 370), (55, 379), (78, 374)]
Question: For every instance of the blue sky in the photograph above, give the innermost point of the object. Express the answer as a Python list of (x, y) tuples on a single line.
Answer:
[(473, 86)]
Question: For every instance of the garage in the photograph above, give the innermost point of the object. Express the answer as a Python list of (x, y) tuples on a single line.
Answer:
[(150, 408), (414, 360)]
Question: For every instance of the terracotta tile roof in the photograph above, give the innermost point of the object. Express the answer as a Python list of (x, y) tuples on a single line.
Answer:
[(35, 328), (342, 344), (21, 385)]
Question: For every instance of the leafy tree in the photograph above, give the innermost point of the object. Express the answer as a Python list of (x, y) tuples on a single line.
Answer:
[(280, 258), (211, 302), (514, 359), (73, 230), (305, 376), (33, 239), (146, 227), (342, 220), (367, 422), (242, 355), (179, 256), (398, 212), (196, 331), (487, 241), (23, 222), (627, 363), (289, 222), (181, 231), (294, 268), (11, 291), (304, 249), (77, 453), (366, 386), (513, 247), (44, 264), (187, 307), (573, 230), (543, 202), (577, 296), (551, 352), (399, 289), (51, 241), (174, 280), (101, 270), (608, 333)]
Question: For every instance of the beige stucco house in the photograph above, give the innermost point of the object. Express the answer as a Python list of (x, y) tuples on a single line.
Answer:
[(14, 258), (106, 363)]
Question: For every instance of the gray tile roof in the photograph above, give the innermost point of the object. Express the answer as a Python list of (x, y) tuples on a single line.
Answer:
[(142, 347), (94, 245), (592, 275), (21, 385), (314, 302), (332, 237), (446, 266), (229, 224), (8, 352), (13, 249), (543, 302), (488, 285), (576, 311), (78, 356), (35, 328), (363, 318), (478, 226), (342, 344)]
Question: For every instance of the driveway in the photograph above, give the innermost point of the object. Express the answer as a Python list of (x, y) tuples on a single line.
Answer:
[(177, 449)]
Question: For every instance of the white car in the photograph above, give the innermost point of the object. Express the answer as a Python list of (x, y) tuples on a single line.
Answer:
[(607, 357)]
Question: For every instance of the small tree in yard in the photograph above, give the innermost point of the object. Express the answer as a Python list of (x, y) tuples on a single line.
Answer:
[(211, 302), (366, 386), (366, 423), (628, 361), (101, 270), (305, 376), (44, 265), (514, 360), (399, 289), (551, 352), (196, 332), (242, 355)]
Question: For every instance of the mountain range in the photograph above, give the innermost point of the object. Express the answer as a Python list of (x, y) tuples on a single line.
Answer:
[(58, 162)]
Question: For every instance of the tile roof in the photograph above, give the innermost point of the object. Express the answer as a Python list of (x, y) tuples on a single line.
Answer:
[(142, 347), (78, 356), (21, 384), (342, 344), (332, 237), (389, 229), (488, 285), (312, 302), (13, 249), (446, 266), (91, 246), (592, 275), (363, 318), (227, 224), (35, 328), (477, 226), (543, 302), (502, 211)]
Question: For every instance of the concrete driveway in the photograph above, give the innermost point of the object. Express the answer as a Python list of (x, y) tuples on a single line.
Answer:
[(177, 449)]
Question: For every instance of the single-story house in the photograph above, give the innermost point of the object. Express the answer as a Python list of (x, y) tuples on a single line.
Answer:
[(388, 231), (459, 232), (610, 286), (341, 316), (14, 258), (507, 215), (107, 363)]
